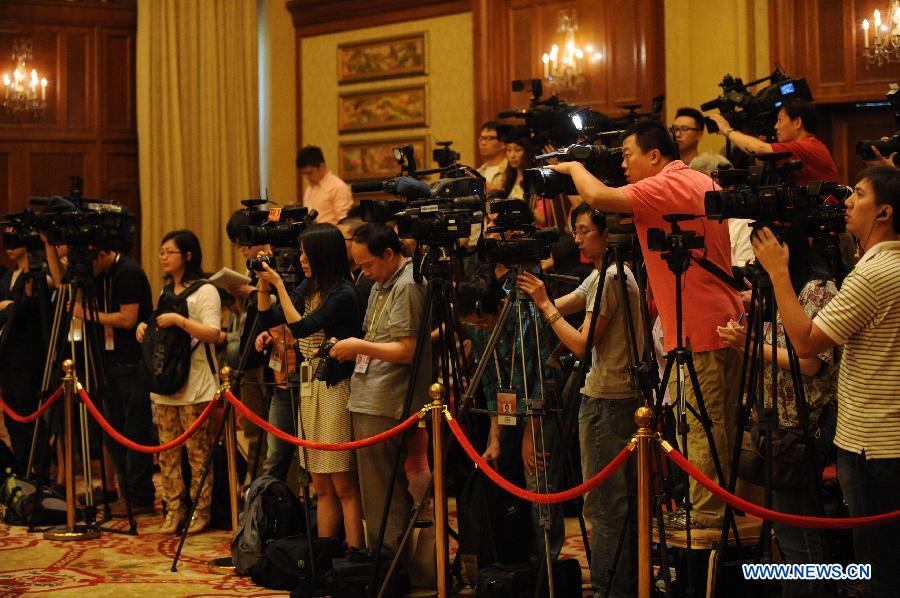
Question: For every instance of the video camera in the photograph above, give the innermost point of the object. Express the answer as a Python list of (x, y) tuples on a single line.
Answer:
[(604, 163), (443, 155), (765, 195), (436, 214), (890, 145), (524, 243), (551, 121), (73, 220), (276, 226), (757, 112)]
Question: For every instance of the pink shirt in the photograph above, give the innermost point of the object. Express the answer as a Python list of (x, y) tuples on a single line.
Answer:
[(707, 302), (330, 197)]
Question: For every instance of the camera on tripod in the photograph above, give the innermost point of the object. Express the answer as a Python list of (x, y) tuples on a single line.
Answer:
[(443, 155), (604, 163), (677, 241), (436, 214), (277, 226), (74, 220), (891, 144), (755, 112), (525, 243), (765, 195), (19, 230)]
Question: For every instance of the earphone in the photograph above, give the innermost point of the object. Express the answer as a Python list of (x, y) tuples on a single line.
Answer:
[(881, 214)]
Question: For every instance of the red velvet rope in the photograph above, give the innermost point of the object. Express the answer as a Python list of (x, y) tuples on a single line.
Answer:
[(27, 419), (143, 448), (556, 497), (795, 520), (343, 446)]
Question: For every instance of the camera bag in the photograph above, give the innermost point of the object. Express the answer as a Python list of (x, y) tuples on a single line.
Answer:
[(520, 580), (352, 573), (271, 512), (286, 562), (166, 352)]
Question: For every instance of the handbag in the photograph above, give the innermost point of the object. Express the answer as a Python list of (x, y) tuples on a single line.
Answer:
[(790, 467)]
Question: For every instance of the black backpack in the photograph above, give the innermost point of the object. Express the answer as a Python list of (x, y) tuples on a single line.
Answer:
[(271, 511), (167, 351), (286, 563)]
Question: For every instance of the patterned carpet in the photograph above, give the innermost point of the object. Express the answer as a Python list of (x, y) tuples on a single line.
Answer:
[(119, 565)]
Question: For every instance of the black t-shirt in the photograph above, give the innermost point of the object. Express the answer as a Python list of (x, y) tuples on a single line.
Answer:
[(21, 340), (125, 284)]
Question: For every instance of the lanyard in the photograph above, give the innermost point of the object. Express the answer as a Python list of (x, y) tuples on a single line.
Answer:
[(376, 317)]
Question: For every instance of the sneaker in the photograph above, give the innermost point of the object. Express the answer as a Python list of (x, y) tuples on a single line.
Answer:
[(120, 509)]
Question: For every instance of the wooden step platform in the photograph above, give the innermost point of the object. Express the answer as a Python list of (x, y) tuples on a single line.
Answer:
[(749, 529)]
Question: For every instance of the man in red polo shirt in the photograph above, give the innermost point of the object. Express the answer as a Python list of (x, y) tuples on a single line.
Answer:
[(660, 184), (795, 130)]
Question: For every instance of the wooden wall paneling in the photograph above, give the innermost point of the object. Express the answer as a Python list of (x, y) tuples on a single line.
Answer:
[(315, 17), (491, 70), (50, 166), (78, 93), (5, 179), (117, 79)]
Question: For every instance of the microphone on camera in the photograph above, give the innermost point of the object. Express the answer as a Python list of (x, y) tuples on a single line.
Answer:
[(312, 215)]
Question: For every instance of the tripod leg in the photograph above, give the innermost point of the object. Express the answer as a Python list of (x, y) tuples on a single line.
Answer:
[(204, 474)]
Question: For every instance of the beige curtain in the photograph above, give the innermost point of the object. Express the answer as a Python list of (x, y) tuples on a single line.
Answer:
[(198, 121)]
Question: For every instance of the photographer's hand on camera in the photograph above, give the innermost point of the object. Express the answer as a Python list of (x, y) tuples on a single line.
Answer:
[(881, 160), (743, 141)]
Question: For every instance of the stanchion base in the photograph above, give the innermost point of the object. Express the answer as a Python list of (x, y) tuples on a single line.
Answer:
[(81, 532), (221, 566)]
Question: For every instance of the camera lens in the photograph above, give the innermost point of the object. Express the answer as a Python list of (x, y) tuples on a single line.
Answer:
[(547, 183)]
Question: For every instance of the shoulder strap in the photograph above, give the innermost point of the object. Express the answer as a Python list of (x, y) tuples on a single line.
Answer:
[(193, 287)]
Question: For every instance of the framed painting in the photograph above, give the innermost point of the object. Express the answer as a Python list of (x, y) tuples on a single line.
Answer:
[(372, 160), (383, 109), (382, 58)]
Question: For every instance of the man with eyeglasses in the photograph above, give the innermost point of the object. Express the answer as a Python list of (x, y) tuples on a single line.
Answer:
[(795, 130), (687, 129), (661, 184), (493, 152)]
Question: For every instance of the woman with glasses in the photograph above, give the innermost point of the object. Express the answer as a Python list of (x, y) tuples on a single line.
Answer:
[(325, 306), (181, 257)]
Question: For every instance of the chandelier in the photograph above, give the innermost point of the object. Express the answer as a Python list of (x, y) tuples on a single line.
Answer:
[(884, 48), (564, 68), (21, 91)]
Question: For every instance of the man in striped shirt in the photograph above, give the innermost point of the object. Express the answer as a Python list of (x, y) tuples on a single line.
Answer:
[(865, 318)]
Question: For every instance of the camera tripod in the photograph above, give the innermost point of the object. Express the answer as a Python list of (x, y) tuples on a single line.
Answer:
[(676, 251), (763, 312), (78, 287)]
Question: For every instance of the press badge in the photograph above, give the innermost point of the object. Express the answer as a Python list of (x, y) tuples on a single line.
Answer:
[(109, 340), (305, 380), (506, 407), (362, 364), (276, 360)]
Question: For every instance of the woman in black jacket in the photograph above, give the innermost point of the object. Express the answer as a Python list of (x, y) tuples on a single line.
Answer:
[(324, 306)]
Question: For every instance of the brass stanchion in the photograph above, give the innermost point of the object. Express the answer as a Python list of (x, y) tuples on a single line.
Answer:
[(644, 419), (436, 392), (224, 565), (71, 531)]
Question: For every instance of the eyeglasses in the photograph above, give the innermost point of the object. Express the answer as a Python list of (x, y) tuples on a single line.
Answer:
[(167, 252), (487, 138), (582, 232), (683, 129)]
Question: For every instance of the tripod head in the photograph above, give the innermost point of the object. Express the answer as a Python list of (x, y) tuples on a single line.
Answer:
[(677, 245)]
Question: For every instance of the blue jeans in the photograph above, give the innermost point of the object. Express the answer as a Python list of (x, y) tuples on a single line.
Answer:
[(127, 407), (800, 544), (605, 426), (282, 415), (872, 487)]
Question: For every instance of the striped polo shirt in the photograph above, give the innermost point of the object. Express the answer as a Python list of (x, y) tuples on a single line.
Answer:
[(865, 318)]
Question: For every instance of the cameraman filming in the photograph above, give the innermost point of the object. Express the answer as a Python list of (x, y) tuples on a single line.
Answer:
[(125, 300), (795, 130), (864, 317), (661, 184)]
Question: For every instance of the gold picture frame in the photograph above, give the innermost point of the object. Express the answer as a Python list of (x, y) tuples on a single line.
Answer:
[(384, 58), (374, 159), (371, 110)]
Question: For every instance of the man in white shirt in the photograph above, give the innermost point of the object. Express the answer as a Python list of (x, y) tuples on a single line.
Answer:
[(493, 152), (325, 192)]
